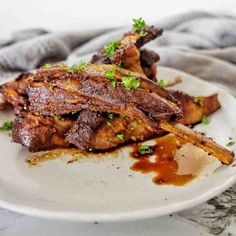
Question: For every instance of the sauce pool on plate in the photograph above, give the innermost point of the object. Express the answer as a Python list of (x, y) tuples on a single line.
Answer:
[(161, 161)]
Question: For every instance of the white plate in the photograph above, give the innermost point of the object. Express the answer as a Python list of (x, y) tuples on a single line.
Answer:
[(94, 189)]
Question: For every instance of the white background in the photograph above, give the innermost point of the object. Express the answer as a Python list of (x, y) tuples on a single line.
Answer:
[(85, 14)]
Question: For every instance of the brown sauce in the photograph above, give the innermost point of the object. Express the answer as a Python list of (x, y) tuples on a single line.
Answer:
[(160, 160), (163, 164)]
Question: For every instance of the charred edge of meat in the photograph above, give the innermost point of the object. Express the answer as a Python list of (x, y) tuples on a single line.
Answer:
[(151, 33)]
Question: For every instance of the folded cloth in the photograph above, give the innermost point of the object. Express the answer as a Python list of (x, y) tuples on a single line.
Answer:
[(199, 43)]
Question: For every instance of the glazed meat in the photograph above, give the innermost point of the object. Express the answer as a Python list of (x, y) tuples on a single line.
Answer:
[(38, 133), (56, 92), (194, 108), (91, 130), (128, 53), (14, 93), (110, 101)]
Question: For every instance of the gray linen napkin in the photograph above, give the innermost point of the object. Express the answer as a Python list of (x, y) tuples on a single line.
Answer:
[(199, 43)]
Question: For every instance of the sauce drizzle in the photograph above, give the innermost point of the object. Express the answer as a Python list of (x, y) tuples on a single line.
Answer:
[(160, 160), (162, 164)]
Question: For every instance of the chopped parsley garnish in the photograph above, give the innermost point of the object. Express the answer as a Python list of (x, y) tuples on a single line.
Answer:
[(57, 117), (110, 48), (110, 115), (82, 66), (205, 120), (122, 116), (8, 125), (130, 82), (61, 64), (139, 24), (161, 83), (121, 137), (77, 67), (72, 69), (73, 112), (110, 74), (199, 101), (47, 66), (108, 123), (113, 84), (231, 142), (144, 149), (142, 34)]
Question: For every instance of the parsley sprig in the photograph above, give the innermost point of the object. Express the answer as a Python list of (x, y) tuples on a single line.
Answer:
[(6, 126), (61, 64), (145, 149), (57, 117), (161, 83), (110, 48), (77, 67), (130, 82), (199, 101), (47, 66), (109, 123), (120, 136), (231, 142), (205, 120), (139, 25), (110, 74), (110, 115)]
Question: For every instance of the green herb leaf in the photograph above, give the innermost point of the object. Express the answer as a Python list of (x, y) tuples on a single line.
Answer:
[(121, 137), (57, 117), (81, 66), (110, 48), (110, 115), (231, 142), (77, 67), (61, 64), (8, 125), (114, 84), (122, 116), (130, 82), (110, 74), (47, 66), (199, 101), (145, 149), (205, 120), (142, 34), (73, 112), (139, 24), (108, 123), (161, 83)]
